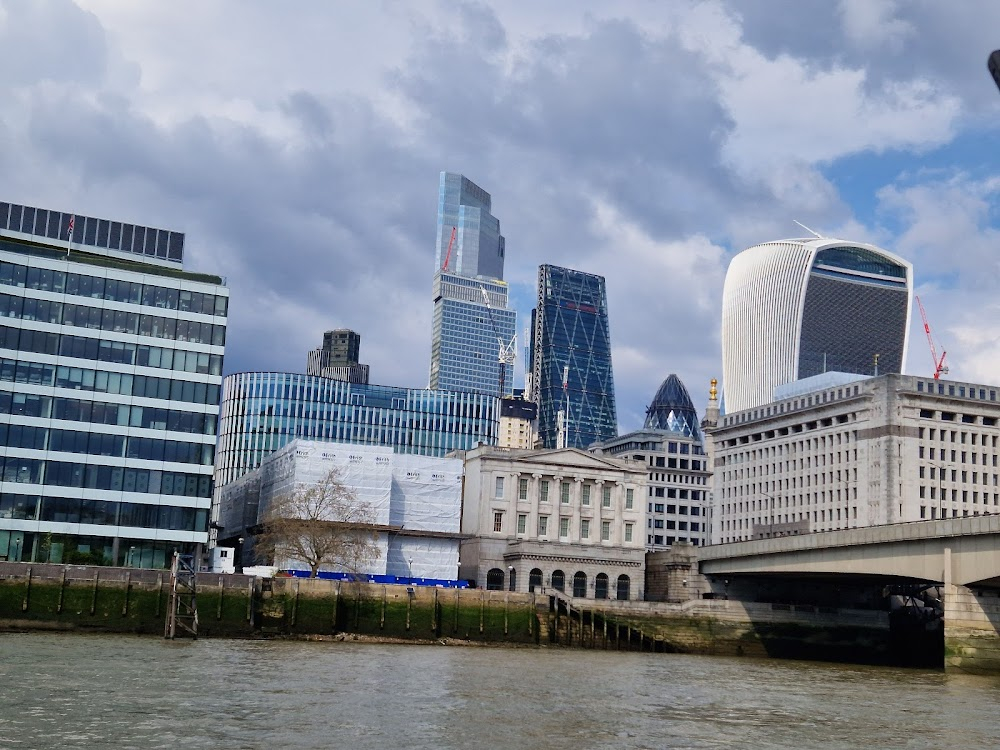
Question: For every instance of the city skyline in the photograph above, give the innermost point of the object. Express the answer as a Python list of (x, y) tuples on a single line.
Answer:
[(313, 193)]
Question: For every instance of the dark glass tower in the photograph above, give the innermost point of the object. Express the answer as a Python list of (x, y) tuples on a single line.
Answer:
[(570, 335), (672, 410)]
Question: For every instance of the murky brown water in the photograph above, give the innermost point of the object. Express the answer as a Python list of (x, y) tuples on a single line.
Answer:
[(80, 691)]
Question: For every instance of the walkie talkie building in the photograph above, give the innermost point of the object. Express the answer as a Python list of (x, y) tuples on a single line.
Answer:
[(801, 307)]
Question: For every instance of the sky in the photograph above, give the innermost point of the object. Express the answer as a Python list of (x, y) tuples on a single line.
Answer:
[(298, 146)]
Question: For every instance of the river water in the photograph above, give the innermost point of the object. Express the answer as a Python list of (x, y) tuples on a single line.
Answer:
[(72, 691)]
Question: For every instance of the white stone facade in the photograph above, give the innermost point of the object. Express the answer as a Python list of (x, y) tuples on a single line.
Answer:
[(564, 518), (882, 450)]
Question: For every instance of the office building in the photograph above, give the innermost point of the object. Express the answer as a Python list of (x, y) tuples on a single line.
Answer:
[(671, 448), (338, 358), (110, 372), (571, 339), (796, 308), (565, 519), (471, 321), (416, 503), (517, 422), (842, 455), (264, 411)]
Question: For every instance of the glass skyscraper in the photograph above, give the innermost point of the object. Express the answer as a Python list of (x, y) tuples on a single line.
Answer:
[(110, 371), (796, 308), (264, 411), (570, 334), (469, 259)]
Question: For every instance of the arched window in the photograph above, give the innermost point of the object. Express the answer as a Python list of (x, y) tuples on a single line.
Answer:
[(512, 585), (534, 579), (623, 586), (558, 580), (601, 586), (494, 580), (579, 584)]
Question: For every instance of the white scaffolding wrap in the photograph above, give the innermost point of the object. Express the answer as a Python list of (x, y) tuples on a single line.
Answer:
[(413, 495), (427, 493)]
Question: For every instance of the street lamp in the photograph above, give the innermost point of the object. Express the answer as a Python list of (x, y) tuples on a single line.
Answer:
[(131, 553), (17, 549)]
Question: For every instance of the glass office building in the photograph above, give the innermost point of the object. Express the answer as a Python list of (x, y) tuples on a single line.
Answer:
[(110, 375), (570, 334), (796, 308), (469, 259), (264, 411)]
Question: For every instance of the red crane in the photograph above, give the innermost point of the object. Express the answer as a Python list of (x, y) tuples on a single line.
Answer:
[(939, 366), (451, 242)]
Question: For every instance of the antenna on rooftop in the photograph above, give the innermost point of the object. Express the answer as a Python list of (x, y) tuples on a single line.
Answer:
[(815, 234)]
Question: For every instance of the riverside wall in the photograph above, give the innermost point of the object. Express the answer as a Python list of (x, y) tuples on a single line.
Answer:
[(971, 629)]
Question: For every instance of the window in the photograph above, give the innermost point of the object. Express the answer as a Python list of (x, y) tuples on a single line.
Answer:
[(522, 522), (563, 528), (543, 525), (522, 488), (543, 491), (585, 494), (584, 528), (628, 532), (564, 492), (498, 521), (579, 584), (601, 586), (606, 496), (658, 507), (629, 497), (494, 580), (605, 531), (499, 488)]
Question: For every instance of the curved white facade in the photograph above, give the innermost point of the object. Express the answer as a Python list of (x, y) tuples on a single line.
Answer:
[(793, 308)]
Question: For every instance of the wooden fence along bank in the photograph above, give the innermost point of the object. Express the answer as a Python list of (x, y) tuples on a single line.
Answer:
[(122, 600)]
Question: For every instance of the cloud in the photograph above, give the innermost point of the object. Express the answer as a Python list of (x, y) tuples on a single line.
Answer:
[(300, 152)]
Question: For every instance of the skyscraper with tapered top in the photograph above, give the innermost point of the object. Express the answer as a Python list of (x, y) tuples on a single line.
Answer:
[(572, 380), (471, 317)]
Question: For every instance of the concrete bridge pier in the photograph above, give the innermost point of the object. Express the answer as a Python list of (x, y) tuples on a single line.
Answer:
[(971, 629)]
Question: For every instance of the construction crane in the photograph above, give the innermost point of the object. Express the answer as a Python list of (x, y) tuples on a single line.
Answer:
[(447, 257), (507, 353), (940, 368)]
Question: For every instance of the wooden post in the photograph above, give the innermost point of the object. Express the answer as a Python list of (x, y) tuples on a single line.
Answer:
[(222, 592), (27, 593), (381, 621), (336, 605), (93, 600), (409, 603), (128, 589), (62, 591), (482, 610), (506, 608), (458, 601), (159, 592), (250, 601), (295, 604), (434, 613)]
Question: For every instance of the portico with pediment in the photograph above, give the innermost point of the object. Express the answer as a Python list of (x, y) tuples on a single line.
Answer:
[(561, 518)]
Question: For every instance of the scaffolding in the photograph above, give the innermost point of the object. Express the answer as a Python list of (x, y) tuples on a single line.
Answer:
[(182, 615)]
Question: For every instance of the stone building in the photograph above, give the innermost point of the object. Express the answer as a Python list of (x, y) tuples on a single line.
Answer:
[(874, 451), (563, 518)]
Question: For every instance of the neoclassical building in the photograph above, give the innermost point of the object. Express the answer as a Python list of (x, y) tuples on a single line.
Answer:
[(563, 518)]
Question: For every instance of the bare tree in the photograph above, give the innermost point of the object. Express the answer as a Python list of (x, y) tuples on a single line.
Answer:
[(324, 523)]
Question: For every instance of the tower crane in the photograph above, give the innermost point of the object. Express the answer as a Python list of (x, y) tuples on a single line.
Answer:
[(507, 350), (940, 368), (447, 257)]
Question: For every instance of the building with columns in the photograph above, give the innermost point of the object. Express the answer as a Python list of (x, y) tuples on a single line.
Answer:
[(563, 518), (829, 455)]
